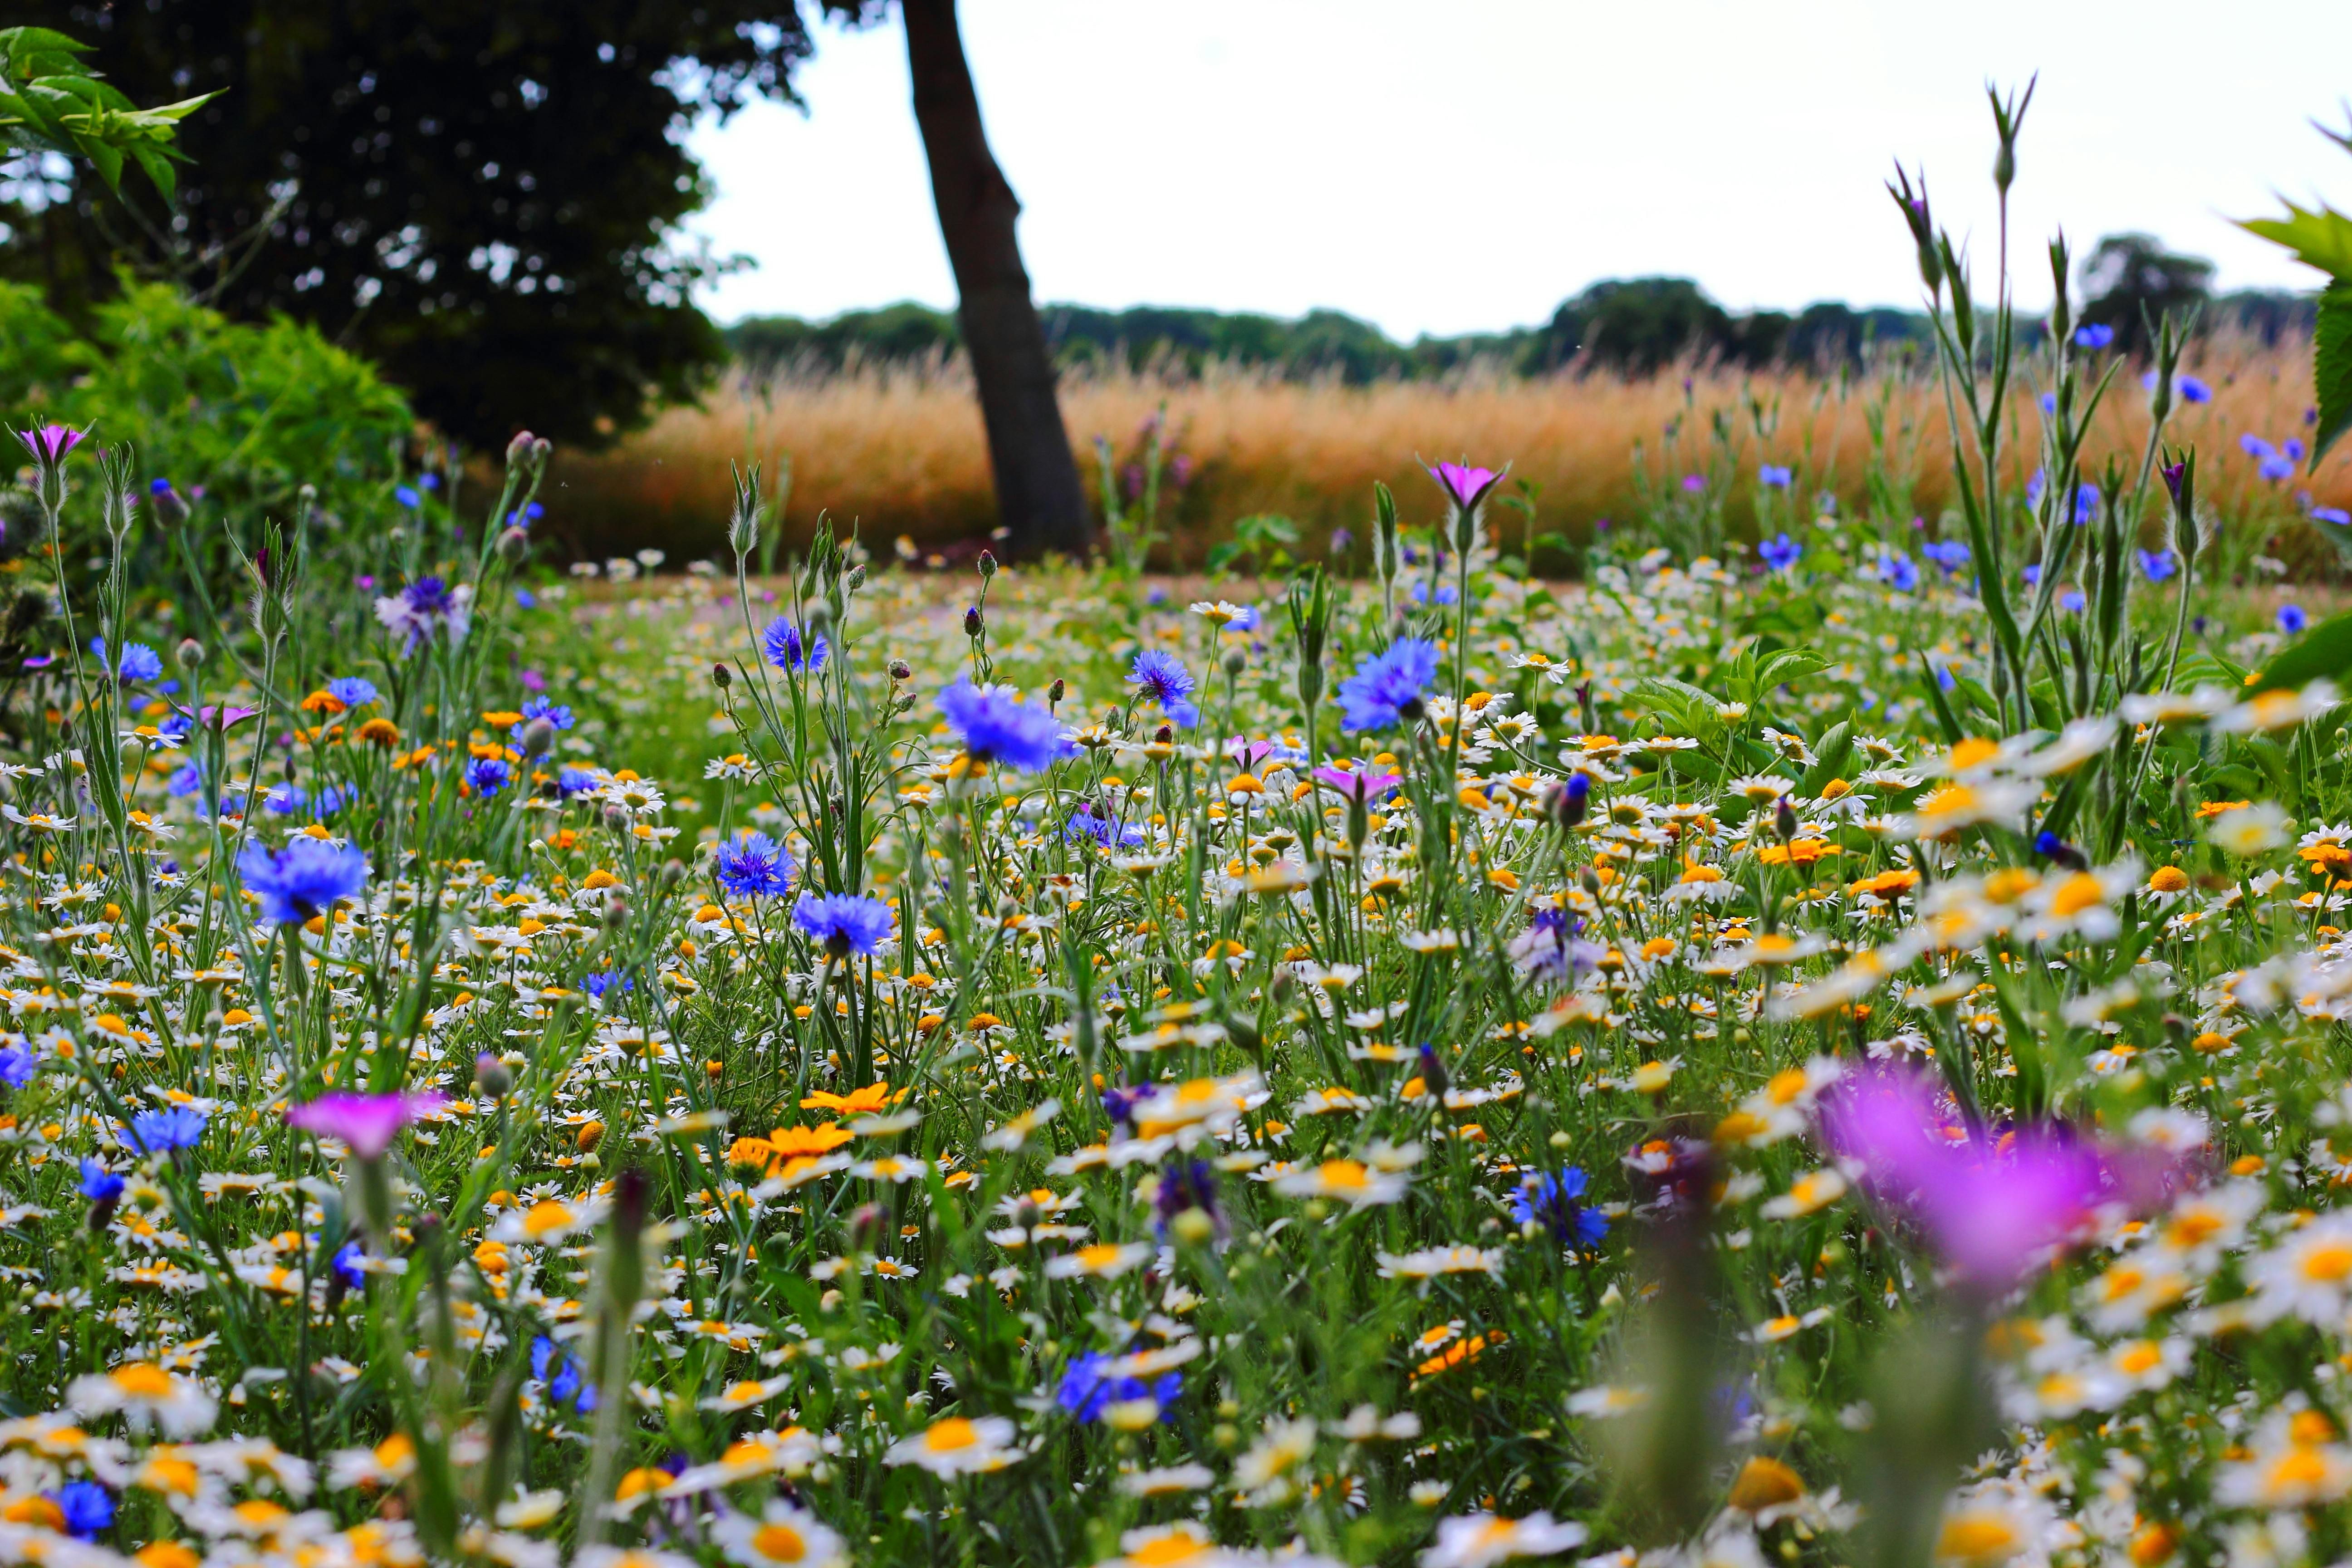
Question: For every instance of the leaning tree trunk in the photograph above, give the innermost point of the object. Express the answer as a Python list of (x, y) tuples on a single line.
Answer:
[(1038, 496)]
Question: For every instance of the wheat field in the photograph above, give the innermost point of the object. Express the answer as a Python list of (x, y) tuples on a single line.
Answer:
[(898, 449)]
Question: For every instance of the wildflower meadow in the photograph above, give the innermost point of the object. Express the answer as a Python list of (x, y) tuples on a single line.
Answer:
[(1819, 1041)]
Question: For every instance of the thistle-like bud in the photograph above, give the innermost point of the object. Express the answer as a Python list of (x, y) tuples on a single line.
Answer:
[(868, 1223), (492, 1075), (519, 449), (1235, 662), (2180, 483), (191, 654), (538, 736), (673, 872), (853, 579), (1055, 692), (616, 818), (170, 507), (987, 564), (617, 911), (540, 450), (1566, 802), (973, 625), (513, 545), (900, 670), (1784, 819), (721, 677)]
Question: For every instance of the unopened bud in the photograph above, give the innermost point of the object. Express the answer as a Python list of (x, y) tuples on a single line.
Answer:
[(616, 817), (721, 677), (541, 449), (1055, 692), (513, 545), (616, 911), (170, 508), (988, 564), (191, 654), (973, 623), (536, 736), (901, 670), (673, 872), (491, 1076), (1784, 820), (1235, 662), (519, 449), (855, 579)]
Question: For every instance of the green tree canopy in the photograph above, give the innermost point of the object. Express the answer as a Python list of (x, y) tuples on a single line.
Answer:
[(482, 198)]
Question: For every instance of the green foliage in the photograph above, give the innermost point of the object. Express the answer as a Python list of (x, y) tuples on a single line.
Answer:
[(50, 101), (481, 199), (2331, 365), (244, 415)]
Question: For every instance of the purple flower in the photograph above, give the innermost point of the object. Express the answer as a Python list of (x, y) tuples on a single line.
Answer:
[(2156, 565), (996, 726), (1388, 687), (167, 1131), (2195, 391), (425, 607), (1464, 486), (352, 690), (487, 775), (50, 443), (303, 880), (1991, 1204), (17, 1066), (1774, 476), (2290, 619), (754, 866), (844, 922), (1358, 783), (2094, 337), (1557, 1203), (366, 1123), (2334, 514), (88, 1508), (1898, 571), (1693, 483)]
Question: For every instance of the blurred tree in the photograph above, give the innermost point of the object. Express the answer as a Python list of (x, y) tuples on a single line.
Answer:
[(1039, 499), (2130, 280), (482, 198), (1638, 325)]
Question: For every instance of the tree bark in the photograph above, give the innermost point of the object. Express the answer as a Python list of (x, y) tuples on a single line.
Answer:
[(1038, 496)]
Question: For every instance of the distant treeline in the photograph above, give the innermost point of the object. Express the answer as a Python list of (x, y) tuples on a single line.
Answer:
[(1632, 327)]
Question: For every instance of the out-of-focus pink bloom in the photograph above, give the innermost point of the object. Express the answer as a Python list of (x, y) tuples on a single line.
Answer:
[(229, 718), (1991, 1204), (1358, 784), (364, 1121), (1464, 485), (1249, 754), (50, 443)]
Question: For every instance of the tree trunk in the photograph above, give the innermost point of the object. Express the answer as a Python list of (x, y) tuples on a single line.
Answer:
[(1038, 496)]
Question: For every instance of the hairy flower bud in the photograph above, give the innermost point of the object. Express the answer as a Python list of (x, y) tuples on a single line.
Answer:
[(973, 623), (988, 564), (492, 1077), (720, 677), (901, 670), (538, 736), (191, 653), (513, 545), (170, 507)]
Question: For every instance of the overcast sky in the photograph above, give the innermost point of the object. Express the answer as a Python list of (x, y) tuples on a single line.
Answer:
[(1464, 166)]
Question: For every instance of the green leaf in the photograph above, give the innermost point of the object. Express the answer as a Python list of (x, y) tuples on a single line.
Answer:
[(2325, 650), (2321, 240), (2331, 367)]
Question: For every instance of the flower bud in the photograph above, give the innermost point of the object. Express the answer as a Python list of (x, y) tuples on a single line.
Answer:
[(900, 670), (1235, 662), (1055, 692), (988, 564), (538, 736), (540, 451), (170, 508), (854, 578), (1566, 802), (617, 911), (513, 545), (973, 623), (616, 818), (1784, 820), (673, 872), (720, 677), (191, 653), (491, 1076)]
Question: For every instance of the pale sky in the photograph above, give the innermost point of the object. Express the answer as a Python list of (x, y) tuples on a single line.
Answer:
[(1466, 165)]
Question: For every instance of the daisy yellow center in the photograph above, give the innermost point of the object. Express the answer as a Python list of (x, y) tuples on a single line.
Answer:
[(2298, 1467), (546, 1217), (1785, 1086), (1346, 1174), (2330, 1262), (950, 1435), (1167, 1551), (2141, 1357), (780, 1543), (2075, 894), (1978, 1538), (1102, 1255), (144, 1380)]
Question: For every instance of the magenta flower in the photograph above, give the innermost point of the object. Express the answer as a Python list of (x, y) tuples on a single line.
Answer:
[(1464, 486), (50, 443), (211, 717), (1991, 1204), (1359, 785), (364, 1121)]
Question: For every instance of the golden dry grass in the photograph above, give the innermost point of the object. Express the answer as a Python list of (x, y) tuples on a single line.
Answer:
[(899, 448)]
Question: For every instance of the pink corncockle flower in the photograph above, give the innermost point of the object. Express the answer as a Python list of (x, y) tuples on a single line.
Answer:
[(365, 1123), (1358, 783), (1250, 755), (50, 443), (1992, 1203), (210, 717), (1464, 486)]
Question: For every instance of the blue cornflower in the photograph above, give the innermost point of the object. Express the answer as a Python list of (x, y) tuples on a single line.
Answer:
[(1773, 477), (2034, 574), (2275, 467), (18, 1065), (88, 1507), (349, 1265), (99, 1184), (553, 1366), (1087, 1387), (140, 662), (2290, 619), (996, 726), (754, 866), (557, 715), (786, 650), (164, 1131), (2049, 402), (2094, 337), (2072, 600), (352, 690), (285, 800), (1164, 680), (2195, 391), (2334, 514), (525, 599), (1950, 556), (2086, 502), (407, 497), (303, 880), (186, 781), (577, 781), (844, 922), (176, 725), (1086, 821), (1557, 1203), (2156, 565), (1780, 552), (1446, 594), (329, 800), (611, 980), (1388, 687), (1898, 571), (2254, 446), (487, 775)]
